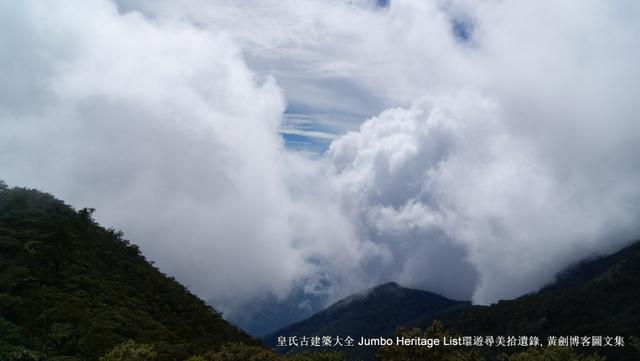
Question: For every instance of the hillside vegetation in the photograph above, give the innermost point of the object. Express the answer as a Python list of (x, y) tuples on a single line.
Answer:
[(597, 297), (69, 287), (376, 312), (71, 290)]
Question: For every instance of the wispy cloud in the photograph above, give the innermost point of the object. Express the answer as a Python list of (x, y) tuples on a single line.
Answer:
[(308, 133), (481, 146)]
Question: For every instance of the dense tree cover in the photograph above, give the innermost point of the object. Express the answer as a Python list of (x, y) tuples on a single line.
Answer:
[(130, 351), (553, 354), (377, 312), (452, 353), (438, 353), (72, 290), (599, 297), (595, 297), (242, 352), (606, 303)]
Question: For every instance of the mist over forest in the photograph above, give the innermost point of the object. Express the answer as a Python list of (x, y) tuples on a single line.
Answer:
[(277, 157)]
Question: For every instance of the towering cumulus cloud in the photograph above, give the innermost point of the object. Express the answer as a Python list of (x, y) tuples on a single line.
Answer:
[(531, 165), (448, 174), (508, 148), (159, 126), (166, 132)]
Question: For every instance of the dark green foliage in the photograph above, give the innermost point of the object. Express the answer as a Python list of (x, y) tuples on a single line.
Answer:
[(72, 290), (130, 351), (595, 298), (242, 352), (377, 312), (553, 354), (422, 353), (450, 353), (317, 356)]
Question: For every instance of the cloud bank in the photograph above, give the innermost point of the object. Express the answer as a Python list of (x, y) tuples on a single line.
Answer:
[(500, 142), (163, 129)]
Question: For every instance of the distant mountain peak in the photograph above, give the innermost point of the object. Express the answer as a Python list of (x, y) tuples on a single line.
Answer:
[(388, 285), (375, 312)]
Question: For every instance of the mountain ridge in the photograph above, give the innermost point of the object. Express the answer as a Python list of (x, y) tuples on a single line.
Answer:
[(375, 312), (73, 290), (592, 296)]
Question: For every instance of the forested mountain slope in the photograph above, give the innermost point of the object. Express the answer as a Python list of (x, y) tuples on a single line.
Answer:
[(69, 287), (376, 312), (595, 297)]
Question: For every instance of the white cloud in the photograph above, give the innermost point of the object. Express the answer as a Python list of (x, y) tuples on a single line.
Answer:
[(498, 160), (163, 129), (529, 165), (448, 173)]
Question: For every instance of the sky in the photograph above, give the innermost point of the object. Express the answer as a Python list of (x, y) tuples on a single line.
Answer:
[(255, 147)]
